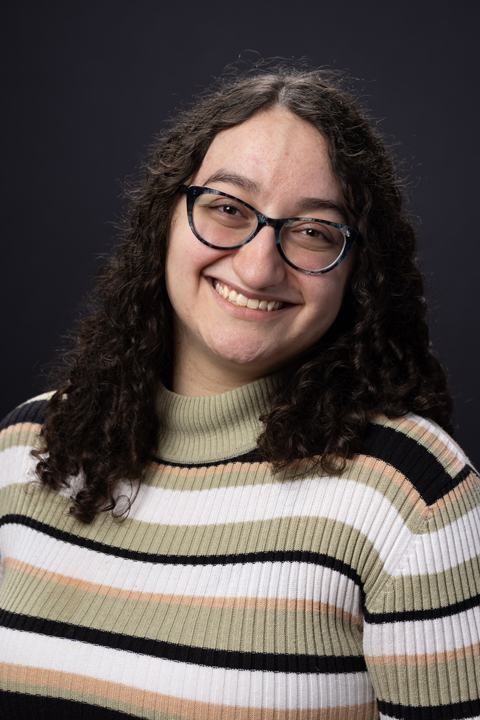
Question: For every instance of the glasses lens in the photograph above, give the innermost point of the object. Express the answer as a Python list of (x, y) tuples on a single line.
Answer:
[(311, 245), (221, 221)]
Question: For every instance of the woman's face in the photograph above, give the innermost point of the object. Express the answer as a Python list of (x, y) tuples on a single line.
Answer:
[(280, 165)]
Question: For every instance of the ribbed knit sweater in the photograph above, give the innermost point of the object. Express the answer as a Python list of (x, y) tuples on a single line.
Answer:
[(232, 593)]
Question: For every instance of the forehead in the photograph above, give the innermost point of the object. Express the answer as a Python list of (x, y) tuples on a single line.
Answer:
[(278, 152)]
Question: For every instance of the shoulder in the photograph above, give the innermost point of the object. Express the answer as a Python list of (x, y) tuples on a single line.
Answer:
[(420, 451), (24, 421)]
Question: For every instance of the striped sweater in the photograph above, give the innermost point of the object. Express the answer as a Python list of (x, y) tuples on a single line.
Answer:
[(232, 593)]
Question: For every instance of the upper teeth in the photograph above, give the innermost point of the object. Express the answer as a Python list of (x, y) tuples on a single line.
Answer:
[(239, 299)]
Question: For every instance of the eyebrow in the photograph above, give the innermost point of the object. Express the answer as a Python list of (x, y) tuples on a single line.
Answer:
[(305, 204), (238, 180), (312, 204)]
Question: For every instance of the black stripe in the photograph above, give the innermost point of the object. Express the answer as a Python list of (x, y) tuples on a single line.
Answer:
[(20, 706), (431, 614), (233, 660), (412, 460), (451, 711), (32, 412), (252, 456), (253, 557)]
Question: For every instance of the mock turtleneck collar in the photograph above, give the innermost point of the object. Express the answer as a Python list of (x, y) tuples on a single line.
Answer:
[(212, 428)]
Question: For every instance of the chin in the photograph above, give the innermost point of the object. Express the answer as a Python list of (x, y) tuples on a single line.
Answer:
[(247, 357)]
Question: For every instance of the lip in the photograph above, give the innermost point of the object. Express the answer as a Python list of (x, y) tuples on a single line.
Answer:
[(249, 295), (245, 312)]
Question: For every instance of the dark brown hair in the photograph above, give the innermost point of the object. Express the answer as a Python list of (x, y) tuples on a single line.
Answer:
[(376, 358)]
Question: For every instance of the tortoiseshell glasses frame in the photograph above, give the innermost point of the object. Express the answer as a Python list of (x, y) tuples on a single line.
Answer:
[(350, 235)]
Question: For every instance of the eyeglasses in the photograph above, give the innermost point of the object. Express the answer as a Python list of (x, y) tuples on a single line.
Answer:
[(224, 222)]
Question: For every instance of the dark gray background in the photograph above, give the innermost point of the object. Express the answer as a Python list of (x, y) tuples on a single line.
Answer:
[(86, 86)]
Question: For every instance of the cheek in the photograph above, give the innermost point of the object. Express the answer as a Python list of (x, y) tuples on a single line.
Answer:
[(181, 252), (327, 294), (186, 261)]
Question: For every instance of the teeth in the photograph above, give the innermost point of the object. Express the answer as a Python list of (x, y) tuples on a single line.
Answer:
[(242, 301)]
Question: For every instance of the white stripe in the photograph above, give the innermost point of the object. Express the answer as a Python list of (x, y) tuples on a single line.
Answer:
[(444, 549), (252, 580), (42, 396), (347, 501), (423, 636), (16, 465), (183, 680)]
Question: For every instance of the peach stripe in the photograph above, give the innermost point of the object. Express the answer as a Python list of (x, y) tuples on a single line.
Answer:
[(467, 484), (432, 442), (19, 427), (406, 486), (384, 469), (148, 700), (362, 460), (235, 603), (199, 472), (425, 658)]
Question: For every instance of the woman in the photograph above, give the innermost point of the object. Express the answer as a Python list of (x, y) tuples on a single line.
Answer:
[(246, 503)]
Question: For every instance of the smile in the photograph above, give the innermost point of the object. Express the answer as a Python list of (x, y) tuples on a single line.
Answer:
[(239, 299)]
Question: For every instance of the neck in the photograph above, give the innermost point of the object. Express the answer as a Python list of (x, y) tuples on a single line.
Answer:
[(191, 383), (201, 376)]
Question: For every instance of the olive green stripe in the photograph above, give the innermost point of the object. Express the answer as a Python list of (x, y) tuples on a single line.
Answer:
[(237, 629), (281, 534), (27, 435), (313, 534), (466, 501), (319, 535), (427, 684), (432, 591)]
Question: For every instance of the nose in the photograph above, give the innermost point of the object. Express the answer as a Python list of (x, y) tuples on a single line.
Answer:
[(258, 263)]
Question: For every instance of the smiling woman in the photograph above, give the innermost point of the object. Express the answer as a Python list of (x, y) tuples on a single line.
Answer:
[(254, 392), (284, 161)]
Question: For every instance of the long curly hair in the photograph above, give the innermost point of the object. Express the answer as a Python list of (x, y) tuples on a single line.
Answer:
[(101, 423)]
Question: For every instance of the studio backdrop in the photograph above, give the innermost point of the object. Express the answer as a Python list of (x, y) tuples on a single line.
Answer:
[(87, 85)]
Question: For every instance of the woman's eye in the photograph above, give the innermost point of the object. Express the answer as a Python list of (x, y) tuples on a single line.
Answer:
[(228, 209), (316, 234), (312, 232)]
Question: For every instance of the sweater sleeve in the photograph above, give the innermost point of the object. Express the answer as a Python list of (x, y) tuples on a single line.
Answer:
[(422, 625)]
